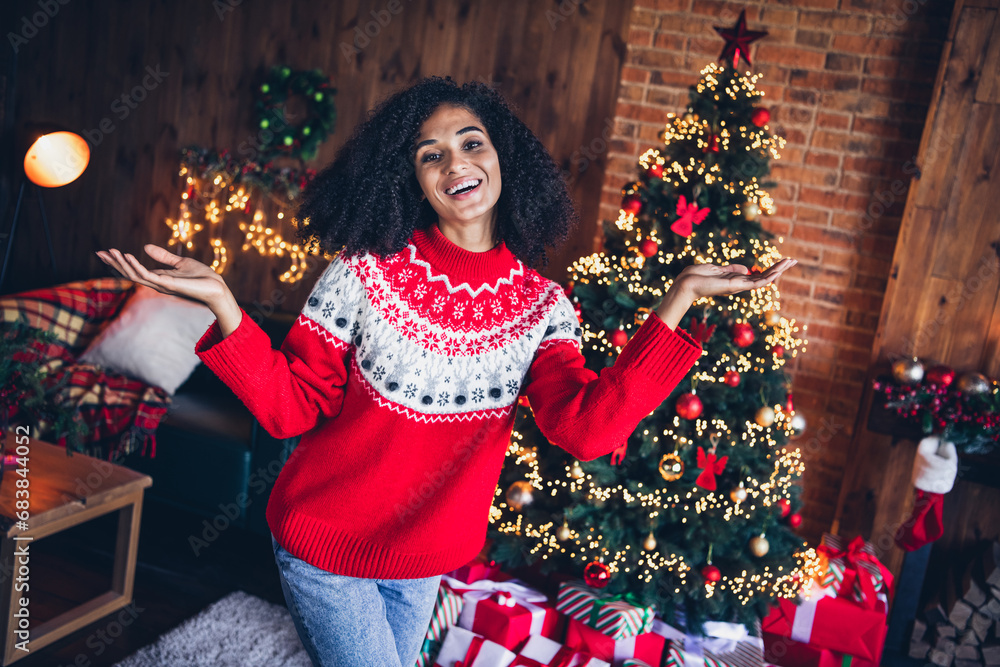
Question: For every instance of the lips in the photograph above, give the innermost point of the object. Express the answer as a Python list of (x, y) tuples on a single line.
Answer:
[(463, 187)]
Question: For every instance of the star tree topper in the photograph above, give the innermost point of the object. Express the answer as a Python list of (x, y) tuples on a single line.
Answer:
[(738, 40)]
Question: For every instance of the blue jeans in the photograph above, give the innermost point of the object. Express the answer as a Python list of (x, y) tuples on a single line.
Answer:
[(354, 622)]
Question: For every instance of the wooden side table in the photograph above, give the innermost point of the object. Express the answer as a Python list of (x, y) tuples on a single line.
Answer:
[(65, 491)]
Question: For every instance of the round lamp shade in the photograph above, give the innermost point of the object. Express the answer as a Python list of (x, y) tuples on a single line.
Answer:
[(56, 159)]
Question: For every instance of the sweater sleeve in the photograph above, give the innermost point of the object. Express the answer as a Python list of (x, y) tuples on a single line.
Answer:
[(590, 415), (290, 389)]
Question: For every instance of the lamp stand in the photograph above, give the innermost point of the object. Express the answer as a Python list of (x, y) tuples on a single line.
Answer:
[(13, 229)]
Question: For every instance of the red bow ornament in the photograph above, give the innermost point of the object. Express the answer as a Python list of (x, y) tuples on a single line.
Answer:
[(712, 466), (700, 331), (690, 215)]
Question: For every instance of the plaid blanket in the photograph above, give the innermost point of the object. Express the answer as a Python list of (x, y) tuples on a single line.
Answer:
[(122, 414)]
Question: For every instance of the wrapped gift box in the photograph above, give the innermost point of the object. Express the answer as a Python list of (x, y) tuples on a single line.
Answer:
[(447, 610), (853, 571), (720, 645), (614, 617), (462, 648), (544, 652), (477, 569), (507, 612), (827, 622), (648, 646), (784, 651), (427, 653)]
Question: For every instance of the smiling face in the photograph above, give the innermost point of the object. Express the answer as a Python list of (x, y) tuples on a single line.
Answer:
[(458, 168)]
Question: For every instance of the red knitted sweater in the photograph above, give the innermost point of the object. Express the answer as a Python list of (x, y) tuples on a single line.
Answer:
[(402, 375)]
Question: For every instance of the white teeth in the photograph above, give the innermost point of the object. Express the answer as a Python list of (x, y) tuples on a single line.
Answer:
[(471, 181)]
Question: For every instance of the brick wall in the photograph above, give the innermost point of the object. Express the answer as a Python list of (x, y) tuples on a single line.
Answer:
[(848, 83)]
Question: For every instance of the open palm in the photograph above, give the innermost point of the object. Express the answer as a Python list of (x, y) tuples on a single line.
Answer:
[(714, 280), (186, 276)]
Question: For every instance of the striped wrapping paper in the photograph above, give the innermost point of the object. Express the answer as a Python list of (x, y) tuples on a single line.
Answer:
[(447, 610), (615, 618), (678, 658), (833, 574)]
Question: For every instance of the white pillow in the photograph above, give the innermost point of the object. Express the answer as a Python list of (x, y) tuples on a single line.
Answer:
[(152, 339)]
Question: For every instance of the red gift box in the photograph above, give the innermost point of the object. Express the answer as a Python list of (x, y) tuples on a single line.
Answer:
[(649, 646), (784, 651), (507, 612), (831, 623), (476, 570)]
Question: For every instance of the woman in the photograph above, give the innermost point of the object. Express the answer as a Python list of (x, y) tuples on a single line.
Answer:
[(403, 370)]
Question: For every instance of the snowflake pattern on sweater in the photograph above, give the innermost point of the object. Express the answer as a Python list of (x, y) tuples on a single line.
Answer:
[(467, 357)]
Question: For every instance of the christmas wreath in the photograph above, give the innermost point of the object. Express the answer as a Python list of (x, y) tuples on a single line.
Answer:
[(278, 136)]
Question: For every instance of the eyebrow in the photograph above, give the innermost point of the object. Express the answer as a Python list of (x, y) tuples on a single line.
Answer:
[(425, 142)]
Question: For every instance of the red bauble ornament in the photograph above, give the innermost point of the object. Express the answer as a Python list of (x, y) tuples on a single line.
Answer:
[(795, 520), (760, 116), (597, 574), (940, 375), (632, 204), (743, 334), (689, 406), (655, 170), (649, 247), (732, 378), (711, 573), (618, 337), (785, 507), (779, 350)]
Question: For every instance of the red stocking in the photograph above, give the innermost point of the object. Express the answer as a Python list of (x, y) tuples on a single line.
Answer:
[(934, 469), (924, 525)]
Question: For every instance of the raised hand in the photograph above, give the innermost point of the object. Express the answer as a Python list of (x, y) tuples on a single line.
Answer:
[(700, 280), (713, 280), (186, 277)]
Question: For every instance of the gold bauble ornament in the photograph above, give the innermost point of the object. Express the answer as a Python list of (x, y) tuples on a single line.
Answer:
[(772, 318), (759, 546), (575, 471), (751, 211), (690, 117), (739, 494), (650, 543), (519, 495), (671, 467), (765, 416), (973, 383), (908, 371), (563, 533)]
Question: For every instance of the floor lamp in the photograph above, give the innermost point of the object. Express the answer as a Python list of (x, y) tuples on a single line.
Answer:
[(53, 159)]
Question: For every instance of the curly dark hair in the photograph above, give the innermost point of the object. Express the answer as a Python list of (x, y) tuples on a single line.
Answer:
[(368, 199)]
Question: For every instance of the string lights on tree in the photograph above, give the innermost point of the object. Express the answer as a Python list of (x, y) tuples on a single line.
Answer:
[(695, 509)]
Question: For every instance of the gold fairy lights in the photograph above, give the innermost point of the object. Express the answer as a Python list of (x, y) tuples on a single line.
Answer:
[(259, 234)]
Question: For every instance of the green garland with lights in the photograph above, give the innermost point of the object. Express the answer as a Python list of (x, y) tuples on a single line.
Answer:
[(301, 140)]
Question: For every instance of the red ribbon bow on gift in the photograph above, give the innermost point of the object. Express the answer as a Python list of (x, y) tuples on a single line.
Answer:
[(853, 557)]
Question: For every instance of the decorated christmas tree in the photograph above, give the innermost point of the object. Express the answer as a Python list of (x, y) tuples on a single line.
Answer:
[(697, 512)]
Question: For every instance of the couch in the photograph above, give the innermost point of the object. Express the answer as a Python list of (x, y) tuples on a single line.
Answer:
[(203, 449)]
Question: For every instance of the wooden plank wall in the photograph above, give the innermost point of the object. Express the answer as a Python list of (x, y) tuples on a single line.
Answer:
[(559, 63), (942, 302)]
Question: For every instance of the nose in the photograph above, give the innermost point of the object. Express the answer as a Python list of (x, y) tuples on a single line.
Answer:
[(456, 163)]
